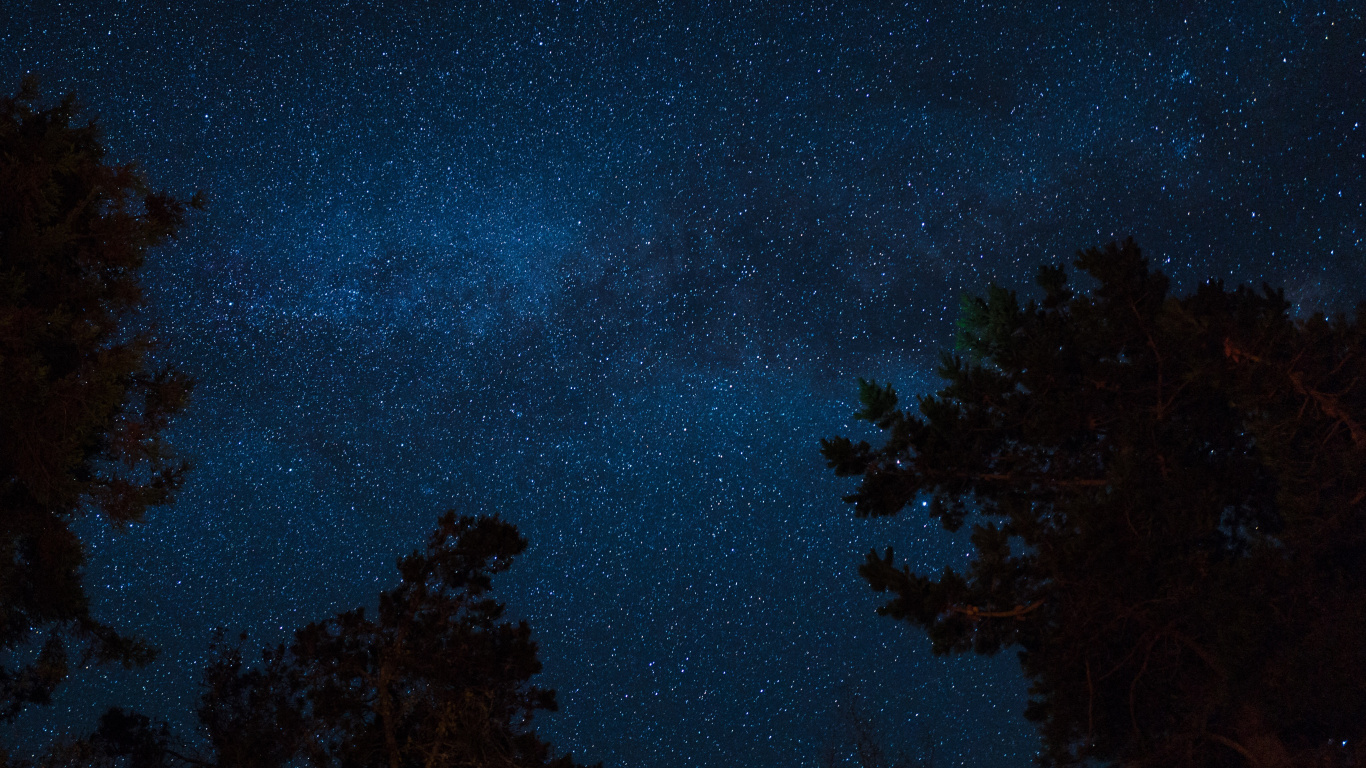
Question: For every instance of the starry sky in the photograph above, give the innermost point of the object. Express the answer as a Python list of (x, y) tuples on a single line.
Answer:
[(611, 270)]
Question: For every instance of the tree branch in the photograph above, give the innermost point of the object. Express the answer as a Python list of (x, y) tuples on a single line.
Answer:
[(1330, 407), (1326, 403), (974, 613), (1236, 747), (1077, 482)]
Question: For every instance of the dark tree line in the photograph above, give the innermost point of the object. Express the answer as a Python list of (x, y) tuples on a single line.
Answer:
[(1167, 496), (435, 678)]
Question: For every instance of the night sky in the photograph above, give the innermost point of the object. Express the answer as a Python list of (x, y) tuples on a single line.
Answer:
[(611, 271)]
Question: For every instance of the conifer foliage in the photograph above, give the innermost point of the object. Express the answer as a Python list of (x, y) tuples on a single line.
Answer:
[(81, 410), (1167, 505), (434, 678)]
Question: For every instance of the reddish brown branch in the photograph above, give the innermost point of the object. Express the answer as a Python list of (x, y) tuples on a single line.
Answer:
[(974, 613), (1327, 403), (1080, 482), (1236, 747), (1331, 408)]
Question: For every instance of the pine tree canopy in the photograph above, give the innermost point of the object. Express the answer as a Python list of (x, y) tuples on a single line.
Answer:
[(1166, 500), (436, 678), (81, 409)]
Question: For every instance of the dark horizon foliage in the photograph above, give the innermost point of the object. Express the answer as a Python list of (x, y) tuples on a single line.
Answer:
[(82, 409), (1166, 496), (436, 677)]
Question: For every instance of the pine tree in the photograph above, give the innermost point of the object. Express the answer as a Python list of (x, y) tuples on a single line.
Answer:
[(82, 411), (1166, 497), (435, 678)]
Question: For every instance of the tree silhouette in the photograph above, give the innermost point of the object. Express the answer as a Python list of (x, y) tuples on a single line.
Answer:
[(123, 740), (436, 678), (81, 410), (1167, 501)]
